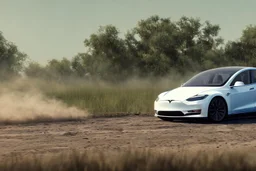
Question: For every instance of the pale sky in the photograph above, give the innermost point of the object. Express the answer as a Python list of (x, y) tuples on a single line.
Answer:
[(47, 29)]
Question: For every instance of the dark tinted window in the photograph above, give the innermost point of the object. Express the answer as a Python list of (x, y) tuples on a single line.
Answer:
[(213, 77), (253, 76), (244, 77)]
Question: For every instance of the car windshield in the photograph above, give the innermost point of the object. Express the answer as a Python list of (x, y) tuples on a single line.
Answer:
[(213, 77)]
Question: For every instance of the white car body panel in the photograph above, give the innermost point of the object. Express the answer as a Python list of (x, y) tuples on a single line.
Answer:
[(240, 99), (182, 93)]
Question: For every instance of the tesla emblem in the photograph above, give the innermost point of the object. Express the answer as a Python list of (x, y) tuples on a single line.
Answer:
[(170, 101)]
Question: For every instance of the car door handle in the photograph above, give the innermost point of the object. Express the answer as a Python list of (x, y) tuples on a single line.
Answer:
[(252, 88)]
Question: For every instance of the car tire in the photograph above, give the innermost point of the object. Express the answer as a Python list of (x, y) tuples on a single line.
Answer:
[(165, 119), (217, 109)]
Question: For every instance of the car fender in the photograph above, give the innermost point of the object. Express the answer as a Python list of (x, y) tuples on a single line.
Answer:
[(219, 94)]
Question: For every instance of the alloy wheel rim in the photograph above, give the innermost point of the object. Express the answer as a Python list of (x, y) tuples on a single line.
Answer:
[(217, 110)]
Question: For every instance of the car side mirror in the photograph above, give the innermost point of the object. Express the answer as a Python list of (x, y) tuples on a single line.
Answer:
[(238, 84)]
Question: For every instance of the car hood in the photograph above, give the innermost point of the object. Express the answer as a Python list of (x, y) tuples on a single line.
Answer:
[(182, 93)]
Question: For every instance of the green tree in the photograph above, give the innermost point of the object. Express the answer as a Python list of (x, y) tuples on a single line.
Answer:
[(200, 44), (159, 45), (78, 64), (153, 44), (35, 70), (243, 52), (107, 56), (249, 35), (59, 70), (11, 59)]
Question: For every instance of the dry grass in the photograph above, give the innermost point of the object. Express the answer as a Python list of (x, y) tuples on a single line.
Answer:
[(134, 161)]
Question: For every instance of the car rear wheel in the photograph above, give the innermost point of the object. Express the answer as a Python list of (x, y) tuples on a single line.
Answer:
[(217, 109)]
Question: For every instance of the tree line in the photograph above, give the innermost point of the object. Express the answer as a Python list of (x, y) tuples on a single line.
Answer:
[(156, 47)]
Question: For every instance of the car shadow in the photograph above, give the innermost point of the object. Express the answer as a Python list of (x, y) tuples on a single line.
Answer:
[(249, 118)]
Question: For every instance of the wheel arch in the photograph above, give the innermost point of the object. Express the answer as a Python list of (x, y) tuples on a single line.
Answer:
[(219, 96)]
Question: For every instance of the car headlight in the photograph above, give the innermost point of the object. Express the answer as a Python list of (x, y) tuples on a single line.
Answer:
[(197, 97)]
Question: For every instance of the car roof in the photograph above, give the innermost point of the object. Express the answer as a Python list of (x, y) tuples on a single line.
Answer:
[(237, 68)]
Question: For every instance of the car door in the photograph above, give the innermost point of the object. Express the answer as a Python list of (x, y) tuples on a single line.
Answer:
[(242, 97), (253, 81)]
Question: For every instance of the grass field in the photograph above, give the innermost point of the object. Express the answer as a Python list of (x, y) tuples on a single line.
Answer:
[(102, 99), (143, 160), (105, 100)]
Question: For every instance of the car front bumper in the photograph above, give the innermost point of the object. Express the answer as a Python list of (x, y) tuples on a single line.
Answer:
[(181, 109)]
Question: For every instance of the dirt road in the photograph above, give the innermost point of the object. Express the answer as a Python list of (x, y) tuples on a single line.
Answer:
[(123, 133)]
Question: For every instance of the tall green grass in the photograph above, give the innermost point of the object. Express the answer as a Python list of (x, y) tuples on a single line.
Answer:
[(143, 160), (134, 97), (102, 100)]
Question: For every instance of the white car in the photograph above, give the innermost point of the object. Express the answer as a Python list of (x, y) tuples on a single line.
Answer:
[(212, 94)]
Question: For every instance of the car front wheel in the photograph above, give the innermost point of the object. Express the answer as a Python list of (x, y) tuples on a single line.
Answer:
[(217, 109)]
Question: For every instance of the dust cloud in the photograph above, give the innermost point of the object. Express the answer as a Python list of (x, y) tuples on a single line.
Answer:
[(33, 106)]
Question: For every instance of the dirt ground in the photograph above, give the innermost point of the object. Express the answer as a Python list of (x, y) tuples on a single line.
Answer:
[(125, 133)]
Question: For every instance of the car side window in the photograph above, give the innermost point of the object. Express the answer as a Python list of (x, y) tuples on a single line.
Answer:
[(244, 77), (253, 76)]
